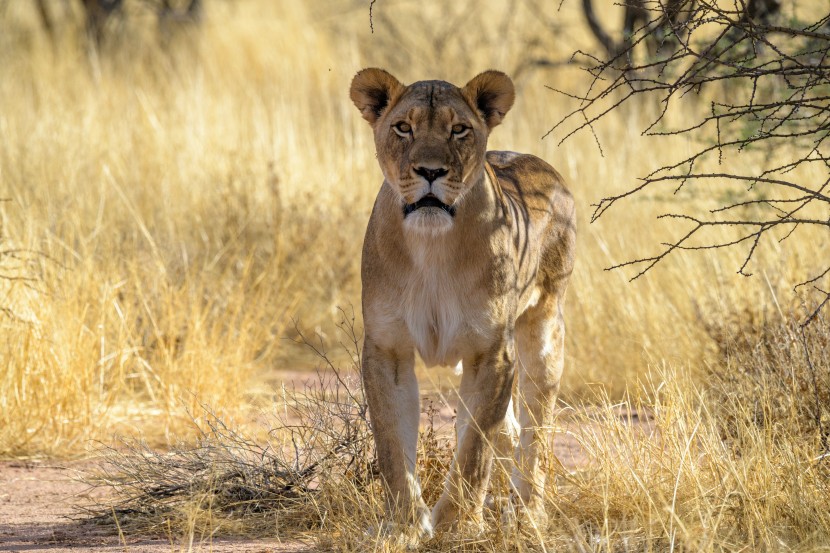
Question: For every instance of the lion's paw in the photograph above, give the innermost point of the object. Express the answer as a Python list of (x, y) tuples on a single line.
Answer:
[(408, 536)]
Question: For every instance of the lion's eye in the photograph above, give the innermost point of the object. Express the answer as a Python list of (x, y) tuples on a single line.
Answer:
[(403, 129), (460, 130)]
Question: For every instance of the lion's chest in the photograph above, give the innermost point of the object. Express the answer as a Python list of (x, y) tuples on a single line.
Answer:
[(440, 313)]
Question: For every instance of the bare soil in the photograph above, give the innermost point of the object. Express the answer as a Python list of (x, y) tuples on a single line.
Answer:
[(37, 511)]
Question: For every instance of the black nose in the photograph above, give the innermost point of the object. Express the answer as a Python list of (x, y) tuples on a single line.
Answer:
[(430, 174)]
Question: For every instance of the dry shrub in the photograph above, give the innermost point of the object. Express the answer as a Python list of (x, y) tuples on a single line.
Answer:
[(771, 372), (228, 481), (289, 479)]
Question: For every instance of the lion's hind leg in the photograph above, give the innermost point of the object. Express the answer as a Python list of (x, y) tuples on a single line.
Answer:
[(507, 440), (540, 338)]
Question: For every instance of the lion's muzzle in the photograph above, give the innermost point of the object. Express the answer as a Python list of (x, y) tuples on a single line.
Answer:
[(429, 200)]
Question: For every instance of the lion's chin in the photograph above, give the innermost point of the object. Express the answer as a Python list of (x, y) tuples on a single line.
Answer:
[(429, 221)]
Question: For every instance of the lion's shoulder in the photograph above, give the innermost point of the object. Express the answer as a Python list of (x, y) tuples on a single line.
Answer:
[(528, 179), (520, 173)]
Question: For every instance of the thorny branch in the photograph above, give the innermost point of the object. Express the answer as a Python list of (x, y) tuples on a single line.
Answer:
[(768, 88)]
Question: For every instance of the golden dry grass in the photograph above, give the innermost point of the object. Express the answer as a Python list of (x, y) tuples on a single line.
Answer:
[(177, 207)]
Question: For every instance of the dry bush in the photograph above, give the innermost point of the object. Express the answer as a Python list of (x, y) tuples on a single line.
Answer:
[(287, 479), (772, 372)]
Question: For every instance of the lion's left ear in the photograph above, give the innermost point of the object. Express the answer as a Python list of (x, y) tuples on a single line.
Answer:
[(492, 94)]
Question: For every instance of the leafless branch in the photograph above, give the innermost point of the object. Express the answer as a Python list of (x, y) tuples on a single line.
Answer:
[(769, 85)]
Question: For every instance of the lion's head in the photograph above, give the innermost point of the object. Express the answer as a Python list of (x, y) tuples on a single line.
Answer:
[(431, 138)]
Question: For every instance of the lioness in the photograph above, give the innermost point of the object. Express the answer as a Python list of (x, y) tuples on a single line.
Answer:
[(466, 258)]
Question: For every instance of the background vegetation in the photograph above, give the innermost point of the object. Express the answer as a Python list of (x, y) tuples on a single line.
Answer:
[(174, 201)]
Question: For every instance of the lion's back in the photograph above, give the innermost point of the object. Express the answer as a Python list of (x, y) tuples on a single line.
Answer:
[(539, 192)]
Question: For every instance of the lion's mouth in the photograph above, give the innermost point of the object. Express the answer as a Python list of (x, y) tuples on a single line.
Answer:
[(428, 201)]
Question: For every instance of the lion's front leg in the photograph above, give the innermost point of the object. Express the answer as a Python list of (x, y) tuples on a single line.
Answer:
[(485, 394), (392, 395)]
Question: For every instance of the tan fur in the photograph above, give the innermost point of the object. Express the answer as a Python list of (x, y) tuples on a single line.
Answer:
[(484, 286)]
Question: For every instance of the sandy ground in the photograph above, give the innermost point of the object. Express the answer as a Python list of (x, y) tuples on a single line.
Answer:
[(37, 500)]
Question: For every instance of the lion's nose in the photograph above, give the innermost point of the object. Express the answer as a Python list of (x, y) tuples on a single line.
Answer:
[(430, 174)]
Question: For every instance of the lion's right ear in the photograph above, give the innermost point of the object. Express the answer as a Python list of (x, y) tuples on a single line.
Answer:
[(372, 91)]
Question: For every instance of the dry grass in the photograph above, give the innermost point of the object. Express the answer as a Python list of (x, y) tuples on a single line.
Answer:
[(171, 210), (702, 473)]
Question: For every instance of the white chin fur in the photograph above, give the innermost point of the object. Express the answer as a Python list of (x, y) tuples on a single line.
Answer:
[(431, 221)]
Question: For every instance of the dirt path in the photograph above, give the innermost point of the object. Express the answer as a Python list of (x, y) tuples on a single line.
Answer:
[(36, 501)]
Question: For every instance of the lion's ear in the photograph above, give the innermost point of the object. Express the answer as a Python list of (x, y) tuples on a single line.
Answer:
[(492, 93), (372, 91)]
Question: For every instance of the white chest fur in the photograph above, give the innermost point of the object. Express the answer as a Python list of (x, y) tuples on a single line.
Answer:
[(434, 307)]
